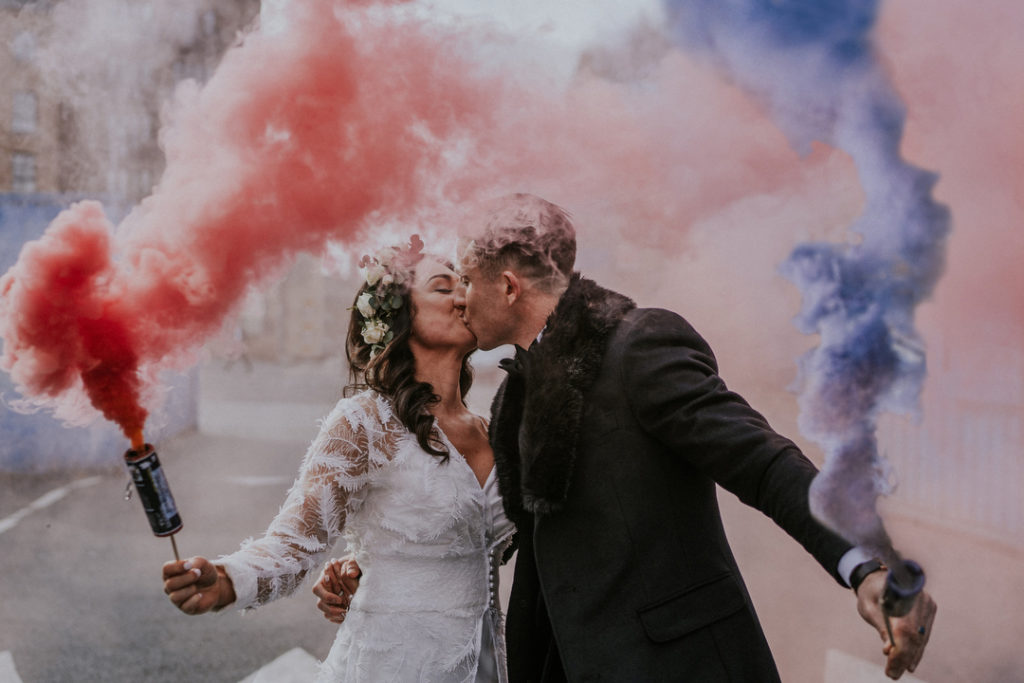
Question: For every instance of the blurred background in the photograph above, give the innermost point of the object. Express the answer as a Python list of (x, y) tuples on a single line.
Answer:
[(83, 88)]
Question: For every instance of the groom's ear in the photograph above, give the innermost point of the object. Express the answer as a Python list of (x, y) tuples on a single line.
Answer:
[(513, 286)]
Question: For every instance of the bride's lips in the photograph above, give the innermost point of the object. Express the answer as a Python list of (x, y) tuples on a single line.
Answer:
[(468, 328)]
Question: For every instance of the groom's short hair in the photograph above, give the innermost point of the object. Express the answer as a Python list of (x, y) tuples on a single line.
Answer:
[(529, 234)]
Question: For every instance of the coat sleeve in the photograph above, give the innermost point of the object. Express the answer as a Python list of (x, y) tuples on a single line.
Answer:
[(671, 382)]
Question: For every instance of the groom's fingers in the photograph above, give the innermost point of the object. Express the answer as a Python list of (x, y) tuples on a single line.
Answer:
[(322, 590), (333, 607), (349, 578), (331, 602), (331, 575)]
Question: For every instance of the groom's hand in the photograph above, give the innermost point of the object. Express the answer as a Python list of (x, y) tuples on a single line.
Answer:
[(910, 632), (335, 588)]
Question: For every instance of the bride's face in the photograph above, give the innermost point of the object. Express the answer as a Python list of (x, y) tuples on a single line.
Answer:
[(436, 322)]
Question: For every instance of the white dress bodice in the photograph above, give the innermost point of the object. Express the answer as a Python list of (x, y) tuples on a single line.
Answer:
[(426, 535)]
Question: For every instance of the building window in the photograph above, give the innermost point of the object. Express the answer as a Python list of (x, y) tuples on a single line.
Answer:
[(209, 22), (23, 172), (23, 119), (23, 47)]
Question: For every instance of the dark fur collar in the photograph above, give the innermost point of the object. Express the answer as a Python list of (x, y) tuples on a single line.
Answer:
[(537, 411)]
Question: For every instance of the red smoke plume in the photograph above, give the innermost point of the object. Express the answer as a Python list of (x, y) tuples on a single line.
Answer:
[(62, 325), (297, 138)]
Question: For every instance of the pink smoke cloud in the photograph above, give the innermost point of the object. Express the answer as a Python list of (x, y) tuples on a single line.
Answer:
[(354, 118), (347, 119)]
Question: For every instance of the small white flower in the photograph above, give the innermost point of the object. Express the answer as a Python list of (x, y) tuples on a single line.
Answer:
[(385, 255), (364, 306), (387, 279), (374, 273), (399, 277), (374, 332)]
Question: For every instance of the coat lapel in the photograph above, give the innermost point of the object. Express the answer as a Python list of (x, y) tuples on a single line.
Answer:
[(536, 413)]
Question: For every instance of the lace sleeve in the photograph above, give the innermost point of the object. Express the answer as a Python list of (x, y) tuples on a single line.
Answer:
[(312, 517)]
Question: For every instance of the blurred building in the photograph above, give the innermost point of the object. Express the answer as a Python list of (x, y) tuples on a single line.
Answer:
[(59, 137), (30, 131)]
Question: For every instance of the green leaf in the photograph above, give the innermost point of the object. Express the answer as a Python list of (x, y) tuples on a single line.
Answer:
[(396, 301)]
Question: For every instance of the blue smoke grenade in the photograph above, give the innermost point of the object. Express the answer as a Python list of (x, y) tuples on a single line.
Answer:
[(812, 65)]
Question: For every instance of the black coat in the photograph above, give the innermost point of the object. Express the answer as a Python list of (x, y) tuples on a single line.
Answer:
[(609, 436)]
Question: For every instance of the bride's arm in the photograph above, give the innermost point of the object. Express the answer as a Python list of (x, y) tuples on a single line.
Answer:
[(309, 522)]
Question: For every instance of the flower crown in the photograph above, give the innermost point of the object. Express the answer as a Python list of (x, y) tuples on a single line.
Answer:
[(385, 273)]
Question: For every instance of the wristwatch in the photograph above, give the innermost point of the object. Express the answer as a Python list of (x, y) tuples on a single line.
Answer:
[(861, 571)]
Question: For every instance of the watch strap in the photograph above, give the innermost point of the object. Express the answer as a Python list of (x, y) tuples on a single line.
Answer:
[(861, 571)]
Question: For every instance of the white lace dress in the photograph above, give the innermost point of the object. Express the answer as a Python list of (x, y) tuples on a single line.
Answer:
[(427, 537)]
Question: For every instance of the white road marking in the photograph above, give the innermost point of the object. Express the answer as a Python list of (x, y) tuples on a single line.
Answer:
[(841, 667), (294, 666), (44, 501), (8, 674), (261, 481)]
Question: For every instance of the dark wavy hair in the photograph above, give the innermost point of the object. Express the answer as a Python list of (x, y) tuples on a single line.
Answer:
[(392, 372)]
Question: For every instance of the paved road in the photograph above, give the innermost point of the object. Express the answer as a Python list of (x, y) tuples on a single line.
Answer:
[(81, 598)]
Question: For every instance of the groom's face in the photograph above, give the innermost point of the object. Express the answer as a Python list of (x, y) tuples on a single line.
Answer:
[(485, 309)]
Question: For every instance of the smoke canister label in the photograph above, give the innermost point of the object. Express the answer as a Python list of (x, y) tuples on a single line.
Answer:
[(154, 493)]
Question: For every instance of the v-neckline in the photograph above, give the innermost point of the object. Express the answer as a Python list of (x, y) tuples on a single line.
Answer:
[(448, 442)]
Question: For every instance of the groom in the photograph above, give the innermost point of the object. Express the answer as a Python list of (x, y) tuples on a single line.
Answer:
[(609, 435)]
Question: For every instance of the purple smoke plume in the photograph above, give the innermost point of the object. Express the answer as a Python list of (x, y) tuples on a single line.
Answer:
[(813, 65)]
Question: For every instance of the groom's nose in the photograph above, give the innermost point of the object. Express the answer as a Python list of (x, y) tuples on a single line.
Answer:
[(460, 296)]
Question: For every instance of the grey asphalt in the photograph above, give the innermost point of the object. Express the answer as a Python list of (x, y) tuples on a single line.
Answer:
[(81, 592), (81, 595)]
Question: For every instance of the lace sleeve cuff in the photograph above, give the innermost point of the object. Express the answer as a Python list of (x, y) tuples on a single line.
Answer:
[(244, 582)]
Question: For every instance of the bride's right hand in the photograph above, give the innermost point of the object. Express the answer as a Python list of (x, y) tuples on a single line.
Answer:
[(195, 585), (337, 584)]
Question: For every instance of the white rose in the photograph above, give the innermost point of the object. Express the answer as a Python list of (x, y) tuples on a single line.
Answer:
[(363, 304), (387, 279), (374, 273), (374, 332)]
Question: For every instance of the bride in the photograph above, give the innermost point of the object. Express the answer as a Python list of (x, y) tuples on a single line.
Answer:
[(403, 471)]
